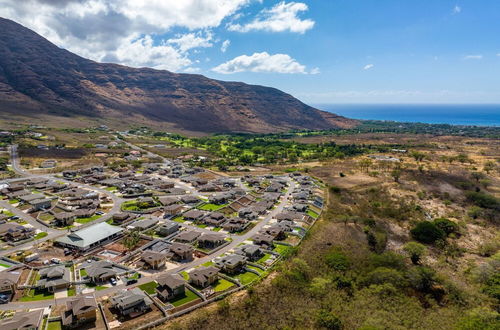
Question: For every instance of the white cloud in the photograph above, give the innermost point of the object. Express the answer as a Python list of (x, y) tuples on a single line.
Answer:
[(263, 62), (315, 71), (102, 29), (225, 45), (498, 54), (456, 10), (191, 40), (368, 66), (142, 52), (473, 57), (282, 17)]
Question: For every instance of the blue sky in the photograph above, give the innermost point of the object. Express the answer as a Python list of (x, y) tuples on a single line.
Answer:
[(322, 51)]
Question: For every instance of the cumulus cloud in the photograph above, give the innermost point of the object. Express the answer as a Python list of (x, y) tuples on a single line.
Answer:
[(473, 57), (189, 41), (456, 10), (225, 45), (104, 30), (368, 66), (263, 62), (282, 17)]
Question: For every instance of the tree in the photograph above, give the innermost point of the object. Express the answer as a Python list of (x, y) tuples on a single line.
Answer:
[(477, 176), (427, 232), (337, 260), (365, 164), (396, 174), (328, 320), (480, 318), (418, 156), (132, 240), (489, 166), (415, 251), (448, 226)]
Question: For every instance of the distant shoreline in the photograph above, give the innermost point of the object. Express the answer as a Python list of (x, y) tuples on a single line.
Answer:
[(452, 114)]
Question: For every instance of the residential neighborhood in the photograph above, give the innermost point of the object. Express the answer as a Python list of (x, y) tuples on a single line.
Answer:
[(127, 247)]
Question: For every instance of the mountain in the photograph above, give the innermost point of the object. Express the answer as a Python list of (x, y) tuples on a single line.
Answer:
[(41, 80)]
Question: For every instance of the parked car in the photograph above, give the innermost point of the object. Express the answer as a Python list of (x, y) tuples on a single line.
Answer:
[(56, 260), (99, 213), (4, 299), (112, 281), (14, 217), (131, 281)]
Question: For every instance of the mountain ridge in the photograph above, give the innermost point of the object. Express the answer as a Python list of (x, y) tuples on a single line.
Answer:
[(38, 78)]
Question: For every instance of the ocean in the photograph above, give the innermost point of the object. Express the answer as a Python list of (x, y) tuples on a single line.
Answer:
[(454, 114)]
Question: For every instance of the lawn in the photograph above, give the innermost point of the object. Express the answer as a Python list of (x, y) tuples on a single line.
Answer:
[(312, 214), (134, 276), (257, 269), (71, 292), (54, 325), (179, 219), (83, 273), (188, 297), (111, 189), (247, 277), (184, 275), (149, 287), (222, 285), (208, 263), (280, 248), (4, 265), (211, 207), (41, 235), (46, 217), (35, 295), (88, 219), (264, 258), (8, 213), (14, 201)]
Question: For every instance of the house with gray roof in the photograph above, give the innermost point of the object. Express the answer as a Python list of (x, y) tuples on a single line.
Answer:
[(79, 311), (90, 237), (232, 264), (54, 278), (101, 271), (23, 320), (204, 276), (131, 303), (170, 287)]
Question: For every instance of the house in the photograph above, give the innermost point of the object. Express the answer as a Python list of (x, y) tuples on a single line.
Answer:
[(214, 219), (250, 251), (152, 260), (263, 239), (204, 276), (54, 278), (40, 204), (168, 200), (190, 199), (49, 163), (8, 281), (23, 320), (90, 237), (232, 264), (276, 231), (290, 216), (170, 287), (299, 207), (193, 215), (235, 225), (131, 303), (181, 252), (101, 271), (144, 224), (14, 232), (173, 209), (211, 240), (188, 236), (79, 311), (167, 228), (64, 219), (122, 217), (248, 213)]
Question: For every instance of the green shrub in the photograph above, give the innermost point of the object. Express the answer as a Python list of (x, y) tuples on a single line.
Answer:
[(483, 200), (388, 260), (427, 232), (328, 320), (480, 319), (383, 275), (337, 260), (448, 226), (415, 251)]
